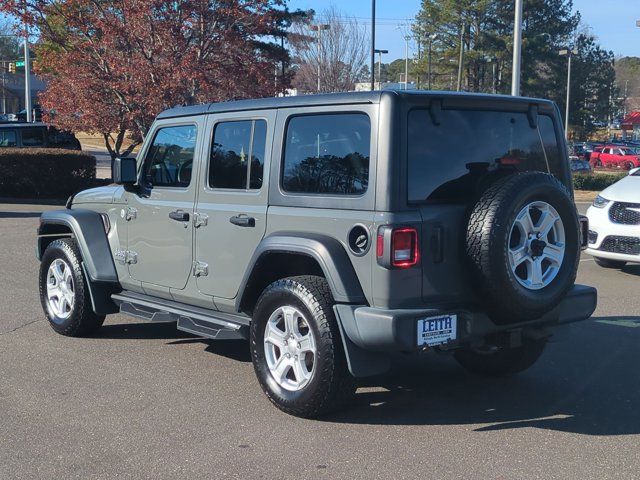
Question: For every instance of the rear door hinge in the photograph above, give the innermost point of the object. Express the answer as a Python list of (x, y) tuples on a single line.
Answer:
[(200, 269), (129, 213), (200, 220)]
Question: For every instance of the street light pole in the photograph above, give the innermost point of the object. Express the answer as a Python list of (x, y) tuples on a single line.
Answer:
[(406, 62), (431, 39), (568, 53), (319, 28), (461, 57), (380, 52), (517, 49), (373, 44), (27, 75)]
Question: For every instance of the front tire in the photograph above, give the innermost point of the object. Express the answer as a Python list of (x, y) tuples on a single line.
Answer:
[(64, 292), (296, 348), (608, 263), (501, 362)]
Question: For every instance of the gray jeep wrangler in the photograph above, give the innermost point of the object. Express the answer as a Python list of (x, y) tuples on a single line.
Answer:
[(332, 231)]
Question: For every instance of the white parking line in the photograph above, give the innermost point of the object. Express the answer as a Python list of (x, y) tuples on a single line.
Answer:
[(587, 260)]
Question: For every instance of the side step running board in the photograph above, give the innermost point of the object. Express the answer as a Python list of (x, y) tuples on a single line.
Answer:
[(199, 321)]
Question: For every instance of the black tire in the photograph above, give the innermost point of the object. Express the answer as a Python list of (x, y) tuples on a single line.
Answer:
[(608, 263), (487, 240), (331, 385), (81, 320), (503, 361)]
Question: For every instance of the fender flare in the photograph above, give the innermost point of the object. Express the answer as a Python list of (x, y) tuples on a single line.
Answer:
[(88, 230), (326, 251)]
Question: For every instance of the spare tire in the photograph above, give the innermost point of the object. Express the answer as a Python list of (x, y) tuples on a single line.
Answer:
[(523, 246)]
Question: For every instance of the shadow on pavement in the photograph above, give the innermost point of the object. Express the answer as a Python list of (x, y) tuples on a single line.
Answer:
[(587, 384), (20, 214), (631, 269)]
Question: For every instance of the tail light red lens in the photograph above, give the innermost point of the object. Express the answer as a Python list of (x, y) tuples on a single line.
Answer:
[(404, 247)]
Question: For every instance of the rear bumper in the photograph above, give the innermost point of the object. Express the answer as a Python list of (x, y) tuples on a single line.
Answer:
[(367, 330)]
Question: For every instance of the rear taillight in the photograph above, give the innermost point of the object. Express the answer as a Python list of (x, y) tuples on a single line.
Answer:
[(397, 247)]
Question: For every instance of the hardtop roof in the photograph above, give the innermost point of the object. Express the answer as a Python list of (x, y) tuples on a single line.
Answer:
[(335, 99)]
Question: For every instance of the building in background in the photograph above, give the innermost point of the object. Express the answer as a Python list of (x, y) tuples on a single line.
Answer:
[(631, 126), (12, 91)]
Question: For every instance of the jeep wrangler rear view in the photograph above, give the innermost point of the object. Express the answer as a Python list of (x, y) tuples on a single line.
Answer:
[(331, 231)]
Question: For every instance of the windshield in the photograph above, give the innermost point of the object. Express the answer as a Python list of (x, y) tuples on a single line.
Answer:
[(448, 161)]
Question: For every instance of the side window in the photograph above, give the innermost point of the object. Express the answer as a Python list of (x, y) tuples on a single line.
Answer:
[(550, 144), (32, 137), (169, 161), (327, 153), (8, 138), (237, 155)]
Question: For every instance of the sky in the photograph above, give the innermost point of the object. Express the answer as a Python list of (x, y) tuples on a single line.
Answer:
[(612, 21)]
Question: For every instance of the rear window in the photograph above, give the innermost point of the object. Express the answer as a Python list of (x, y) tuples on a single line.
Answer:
[(8, 138), (327, 154), (450, 160), (32, 137)]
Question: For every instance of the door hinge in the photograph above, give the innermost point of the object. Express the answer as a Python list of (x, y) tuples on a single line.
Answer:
[(200, 269), (125, 257), (129, 213), (200, 220)]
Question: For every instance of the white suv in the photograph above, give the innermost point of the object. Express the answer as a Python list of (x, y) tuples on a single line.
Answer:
[(614, 223)]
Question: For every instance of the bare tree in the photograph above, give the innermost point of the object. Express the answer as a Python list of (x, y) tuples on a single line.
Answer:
[(340, 51)]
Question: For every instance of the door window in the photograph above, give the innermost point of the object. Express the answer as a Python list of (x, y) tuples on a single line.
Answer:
[(8, 138), (237, 155), (32, 137), (169, 161), (327, 154)]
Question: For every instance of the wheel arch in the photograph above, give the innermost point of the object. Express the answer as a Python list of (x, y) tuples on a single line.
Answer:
[(287, 254), (87, 228)]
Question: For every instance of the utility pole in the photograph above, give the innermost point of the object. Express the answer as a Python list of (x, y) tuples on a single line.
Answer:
[(319, 28), (432, 37), (461, 57), (406, 61), (380, 52), (517, 49), (27, 75), (373, 44), (568, 53)]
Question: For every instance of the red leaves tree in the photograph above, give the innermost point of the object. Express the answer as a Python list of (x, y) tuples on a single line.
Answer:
[(112, 65)]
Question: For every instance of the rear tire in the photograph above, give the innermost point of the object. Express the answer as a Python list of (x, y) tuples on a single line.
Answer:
[(323, 383), (608, 263), (64, 292), (502, 361)]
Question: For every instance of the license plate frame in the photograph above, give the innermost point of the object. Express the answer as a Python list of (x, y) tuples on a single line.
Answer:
[(437, 330)]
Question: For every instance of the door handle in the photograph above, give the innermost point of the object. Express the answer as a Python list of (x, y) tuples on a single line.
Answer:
[(243, 221), (179, 216)]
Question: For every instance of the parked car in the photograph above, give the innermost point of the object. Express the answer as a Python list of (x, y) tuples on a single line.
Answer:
[(615, 156), (579, 165), (331, 231), (614, 223), (36, 135)]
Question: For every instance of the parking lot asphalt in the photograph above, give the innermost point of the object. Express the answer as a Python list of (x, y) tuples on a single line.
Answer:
[(142, 400)]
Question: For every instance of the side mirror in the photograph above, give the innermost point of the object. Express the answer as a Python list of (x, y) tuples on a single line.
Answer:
[(633, 171), (124, 171)]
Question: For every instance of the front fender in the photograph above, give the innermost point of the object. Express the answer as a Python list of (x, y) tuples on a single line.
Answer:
[(88, 230)]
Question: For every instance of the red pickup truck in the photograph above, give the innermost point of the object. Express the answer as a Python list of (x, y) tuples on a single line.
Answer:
[(614, 156)]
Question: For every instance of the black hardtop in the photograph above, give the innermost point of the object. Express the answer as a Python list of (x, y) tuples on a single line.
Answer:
[(480, 100)]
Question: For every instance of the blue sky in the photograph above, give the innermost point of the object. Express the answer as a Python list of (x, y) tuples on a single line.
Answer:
[(612, 21)]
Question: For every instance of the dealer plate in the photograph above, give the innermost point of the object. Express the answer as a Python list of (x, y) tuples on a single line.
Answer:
[(437, 330)]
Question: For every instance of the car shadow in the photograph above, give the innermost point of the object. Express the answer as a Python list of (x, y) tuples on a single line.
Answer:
[(587, 383), (632, 269), (20, 214), (234, 349)]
